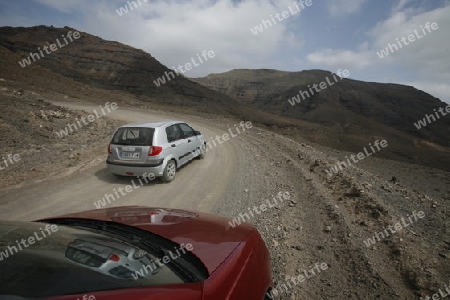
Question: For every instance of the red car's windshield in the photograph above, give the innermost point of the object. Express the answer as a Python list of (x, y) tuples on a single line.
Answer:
[(97, 257)]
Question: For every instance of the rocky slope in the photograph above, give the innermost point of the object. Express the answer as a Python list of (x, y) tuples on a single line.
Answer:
[(350, 114), (107, 65), (30, 129), (329, 219), (342, 103)]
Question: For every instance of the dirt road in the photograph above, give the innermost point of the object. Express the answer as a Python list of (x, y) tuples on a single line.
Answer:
[(79, 191), (326, 221)]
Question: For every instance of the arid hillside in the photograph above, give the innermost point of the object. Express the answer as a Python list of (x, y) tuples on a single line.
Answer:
[(335, 219), (351, 113), (107, 65), (347, 115), (344, 104)]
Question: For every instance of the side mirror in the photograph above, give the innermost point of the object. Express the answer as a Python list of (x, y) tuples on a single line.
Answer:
[(197, 132)]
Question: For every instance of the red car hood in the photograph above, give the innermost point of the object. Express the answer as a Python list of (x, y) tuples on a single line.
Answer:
[(212, 237)]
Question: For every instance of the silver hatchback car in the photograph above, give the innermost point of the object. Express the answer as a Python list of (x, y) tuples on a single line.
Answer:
[(155, 149)]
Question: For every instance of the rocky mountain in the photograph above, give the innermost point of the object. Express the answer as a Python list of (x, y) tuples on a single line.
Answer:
[(347, 105), (347, 115), (106, 65)]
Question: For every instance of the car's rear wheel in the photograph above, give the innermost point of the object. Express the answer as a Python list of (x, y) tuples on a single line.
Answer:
[(202, 152), (170, 171)]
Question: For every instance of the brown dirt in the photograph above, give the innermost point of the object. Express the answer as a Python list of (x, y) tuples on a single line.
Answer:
[(326, 221)]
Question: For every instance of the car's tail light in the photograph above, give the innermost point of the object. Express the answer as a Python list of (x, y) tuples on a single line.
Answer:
[(155, 150), (109, 149), (114, 257)]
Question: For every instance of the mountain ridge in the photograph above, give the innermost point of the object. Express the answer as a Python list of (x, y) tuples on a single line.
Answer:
[(346, 116), (395, 105)]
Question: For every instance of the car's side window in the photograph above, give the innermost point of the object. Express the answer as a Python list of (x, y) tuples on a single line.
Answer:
[(187, 130), (173, 133)]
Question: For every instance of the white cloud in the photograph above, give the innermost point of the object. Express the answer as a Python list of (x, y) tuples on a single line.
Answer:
[(401, 4), (426, 59), (344, 7), (429, 54), (341, 58), (439, 90), (65, 5), (174, 31)]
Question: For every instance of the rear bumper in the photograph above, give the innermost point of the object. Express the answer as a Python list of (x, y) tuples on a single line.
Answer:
[(126, 169)]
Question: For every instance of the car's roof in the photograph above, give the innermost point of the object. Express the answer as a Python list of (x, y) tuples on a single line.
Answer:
[(153, 124)]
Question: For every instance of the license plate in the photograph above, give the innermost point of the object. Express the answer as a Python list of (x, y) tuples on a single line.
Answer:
[(130, 154), (129, 149)]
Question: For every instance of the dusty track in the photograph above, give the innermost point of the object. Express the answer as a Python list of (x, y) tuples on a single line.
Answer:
[(326, 221), (78, 192)]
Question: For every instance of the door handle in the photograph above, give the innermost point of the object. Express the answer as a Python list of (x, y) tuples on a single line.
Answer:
[(173, 145), (189, 141)]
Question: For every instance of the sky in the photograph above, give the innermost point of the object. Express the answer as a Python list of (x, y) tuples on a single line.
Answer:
[(313, 34)]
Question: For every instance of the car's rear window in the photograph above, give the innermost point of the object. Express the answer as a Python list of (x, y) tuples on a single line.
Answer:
[(135, 136), (84, 257)]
